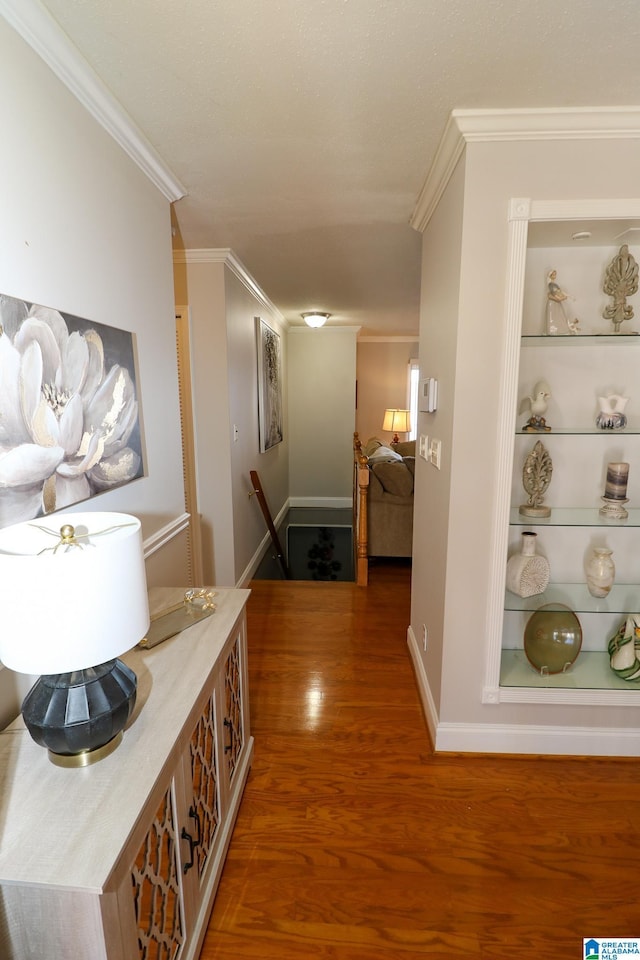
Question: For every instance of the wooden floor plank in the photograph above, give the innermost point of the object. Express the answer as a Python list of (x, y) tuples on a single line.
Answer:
[(355, 842)]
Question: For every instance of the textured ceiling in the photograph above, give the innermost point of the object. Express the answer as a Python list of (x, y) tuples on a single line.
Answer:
[(303, 129)]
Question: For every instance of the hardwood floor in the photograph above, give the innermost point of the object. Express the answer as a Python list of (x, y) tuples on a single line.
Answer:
[(355, 842)]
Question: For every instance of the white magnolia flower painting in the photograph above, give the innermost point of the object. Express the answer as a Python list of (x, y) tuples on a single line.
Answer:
[(69, 426)]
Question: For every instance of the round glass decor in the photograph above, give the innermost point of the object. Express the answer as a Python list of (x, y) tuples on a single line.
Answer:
[(552, 638)]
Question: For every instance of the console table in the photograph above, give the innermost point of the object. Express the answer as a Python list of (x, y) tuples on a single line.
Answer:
[(122, 859)]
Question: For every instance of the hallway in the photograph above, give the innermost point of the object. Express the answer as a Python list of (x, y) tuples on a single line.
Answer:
[(354, 842)]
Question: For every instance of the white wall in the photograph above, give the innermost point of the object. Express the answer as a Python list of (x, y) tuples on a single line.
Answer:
[(438, 342), (272, 466), (322, 380), (223, 305), (494, 173), (83, 230), (202, 288), (382, 373)]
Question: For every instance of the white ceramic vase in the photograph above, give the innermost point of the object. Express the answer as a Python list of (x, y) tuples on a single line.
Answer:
[(527, 571), (601, 572), (612, 415)]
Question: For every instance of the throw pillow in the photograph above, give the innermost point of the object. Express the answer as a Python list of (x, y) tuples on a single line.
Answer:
[(395, 478), (406, 448), (371, 446)]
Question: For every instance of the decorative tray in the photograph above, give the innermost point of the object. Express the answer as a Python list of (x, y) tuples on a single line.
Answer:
[(196, 605)]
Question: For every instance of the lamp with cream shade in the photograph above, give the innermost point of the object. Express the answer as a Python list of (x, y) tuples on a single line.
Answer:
[(398, 421), (74, 598)]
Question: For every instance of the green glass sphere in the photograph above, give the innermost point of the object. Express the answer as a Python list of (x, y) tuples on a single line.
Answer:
[(552, 638)]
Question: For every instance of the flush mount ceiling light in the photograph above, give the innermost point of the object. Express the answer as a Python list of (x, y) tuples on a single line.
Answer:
[(313, 318)]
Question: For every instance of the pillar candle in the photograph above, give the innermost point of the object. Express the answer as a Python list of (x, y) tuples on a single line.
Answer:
[(617, 477)]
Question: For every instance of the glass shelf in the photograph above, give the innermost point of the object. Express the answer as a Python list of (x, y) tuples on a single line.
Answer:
[(573, 517), (624, 598), (582, 339), (591, 671), (630, 430)]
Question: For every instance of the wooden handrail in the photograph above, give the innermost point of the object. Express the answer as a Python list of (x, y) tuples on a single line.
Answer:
[(360, 488), (262, 500)]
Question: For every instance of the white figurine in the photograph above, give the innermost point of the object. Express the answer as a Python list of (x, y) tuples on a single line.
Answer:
[(558, 320), (537, 404)]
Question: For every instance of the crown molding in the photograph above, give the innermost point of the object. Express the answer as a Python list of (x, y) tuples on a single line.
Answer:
[(450, 149), (37, 27), (390, 338), (562, 123), (206, 255), (473, 126), (327, 328), (227, 257)]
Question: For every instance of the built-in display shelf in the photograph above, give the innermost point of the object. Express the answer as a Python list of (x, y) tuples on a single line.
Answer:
[(591, 671), (574, 517), (580, 369), (623, 598)]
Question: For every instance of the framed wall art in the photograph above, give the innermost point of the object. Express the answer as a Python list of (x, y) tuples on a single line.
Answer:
[(270, 426), (69, 418)]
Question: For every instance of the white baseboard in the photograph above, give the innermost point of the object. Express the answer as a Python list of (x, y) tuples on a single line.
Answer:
[(249, 571), (518, 738), (424, 691), (325, 502), (535, 739)]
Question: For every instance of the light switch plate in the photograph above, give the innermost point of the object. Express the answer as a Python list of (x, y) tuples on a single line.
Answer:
[(435, 453), (423, 447)]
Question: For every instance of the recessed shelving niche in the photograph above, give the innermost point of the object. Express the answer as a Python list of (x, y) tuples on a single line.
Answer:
[(578, 370)]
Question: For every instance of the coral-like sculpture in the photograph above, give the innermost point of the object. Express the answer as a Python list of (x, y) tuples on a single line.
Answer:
[(620, 282), (536, 477)]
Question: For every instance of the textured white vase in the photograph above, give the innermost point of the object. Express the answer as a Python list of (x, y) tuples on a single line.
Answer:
[(601, 572), (527, 572)]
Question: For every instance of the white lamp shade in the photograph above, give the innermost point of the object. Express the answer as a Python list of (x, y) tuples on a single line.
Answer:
[(71, 606), (397, 421)]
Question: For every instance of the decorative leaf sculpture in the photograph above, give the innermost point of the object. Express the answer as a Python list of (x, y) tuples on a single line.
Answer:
[(620, 282), (536, 477)]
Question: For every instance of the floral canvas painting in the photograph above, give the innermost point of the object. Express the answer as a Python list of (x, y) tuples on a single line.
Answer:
[(69, 425), (269, 386)]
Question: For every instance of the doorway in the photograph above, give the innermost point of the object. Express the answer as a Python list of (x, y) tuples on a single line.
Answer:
[(194, 537)]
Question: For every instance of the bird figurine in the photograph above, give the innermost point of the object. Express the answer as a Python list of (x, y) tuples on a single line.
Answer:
[(612, 415), (537, 405)]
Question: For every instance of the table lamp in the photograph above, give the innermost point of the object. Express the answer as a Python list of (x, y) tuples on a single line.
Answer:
[(73, 598), (396, 420)]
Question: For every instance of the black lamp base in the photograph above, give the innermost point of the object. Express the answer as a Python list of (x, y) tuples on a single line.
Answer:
[(79, 716)]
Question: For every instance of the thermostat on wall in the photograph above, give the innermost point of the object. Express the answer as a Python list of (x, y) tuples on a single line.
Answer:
[(428, 395)]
